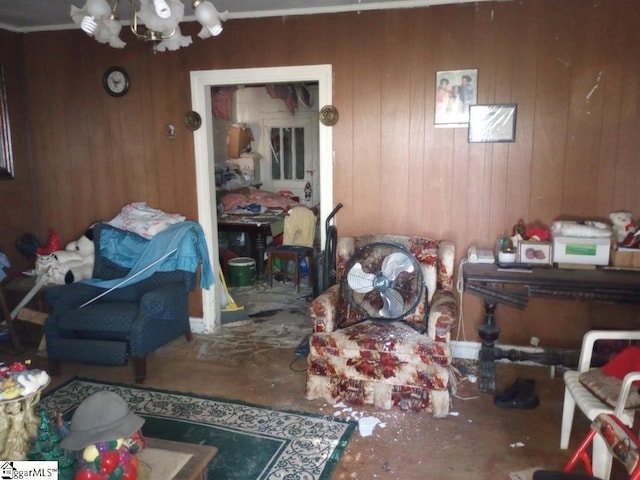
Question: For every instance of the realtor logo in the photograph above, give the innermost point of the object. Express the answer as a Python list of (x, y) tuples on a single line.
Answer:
[(6, 471), (10, 470)]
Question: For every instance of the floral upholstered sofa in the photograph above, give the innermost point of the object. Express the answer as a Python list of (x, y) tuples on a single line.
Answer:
[(404, 362)]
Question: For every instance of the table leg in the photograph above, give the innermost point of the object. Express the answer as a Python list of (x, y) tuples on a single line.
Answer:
[(15, 341), (489, 333), (261, 245)]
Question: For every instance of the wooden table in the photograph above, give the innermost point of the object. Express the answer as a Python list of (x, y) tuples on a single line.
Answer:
[(164, 455), (512, 287), (257, 228)]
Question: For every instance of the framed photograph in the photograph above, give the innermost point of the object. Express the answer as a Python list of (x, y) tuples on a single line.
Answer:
[(534, 253), (456, 91), (493, 123)]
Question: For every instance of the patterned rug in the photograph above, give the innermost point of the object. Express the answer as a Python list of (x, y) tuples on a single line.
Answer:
[(253, 442)]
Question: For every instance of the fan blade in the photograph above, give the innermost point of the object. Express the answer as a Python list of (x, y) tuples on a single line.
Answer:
[(396, 263), (393, 304), (359, 280)]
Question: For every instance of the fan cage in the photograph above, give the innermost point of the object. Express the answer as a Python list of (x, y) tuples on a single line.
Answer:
[(408, 284)]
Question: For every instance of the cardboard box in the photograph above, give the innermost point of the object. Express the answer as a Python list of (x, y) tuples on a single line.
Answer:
[(240, 137), (581, 250), (625, 257)]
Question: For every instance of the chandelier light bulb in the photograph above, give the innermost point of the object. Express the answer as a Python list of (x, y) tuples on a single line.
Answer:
[(162, 8), (97, 8), (206, 14), (161, 19), (88, 25), (216, 29)]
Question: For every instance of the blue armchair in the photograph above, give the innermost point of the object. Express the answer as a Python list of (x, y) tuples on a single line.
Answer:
[(127, 322)]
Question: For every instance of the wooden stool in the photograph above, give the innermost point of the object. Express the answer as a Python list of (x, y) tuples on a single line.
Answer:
[(286, 253)]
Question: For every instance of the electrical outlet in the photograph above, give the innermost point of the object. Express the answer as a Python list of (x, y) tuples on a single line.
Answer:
[(534, 341)]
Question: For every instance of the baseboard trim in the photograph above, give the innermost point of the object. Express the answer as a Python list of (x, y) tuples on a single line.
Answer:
[(465, 350), (470, 350), (197, 324)]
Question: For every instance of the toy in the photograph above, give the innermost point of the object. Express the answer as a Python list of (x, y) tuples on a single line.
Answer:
[(70, 265), (623, 224), (537, 234), (53, 243), (85, 248)]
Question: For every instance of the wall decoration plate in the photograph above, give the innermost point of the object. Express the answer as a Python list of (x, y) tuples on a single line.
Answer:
[(193, 120), (329, 115)]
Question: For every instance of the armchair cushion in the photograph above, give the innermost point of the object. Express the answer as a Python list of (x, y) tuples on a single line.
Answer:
[(606, 382), (607, 388)]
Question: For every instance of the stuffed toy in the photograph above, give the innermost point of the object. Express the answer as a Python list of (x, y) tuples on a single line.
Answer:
[(85, 248), (70, 265), (623, 225)]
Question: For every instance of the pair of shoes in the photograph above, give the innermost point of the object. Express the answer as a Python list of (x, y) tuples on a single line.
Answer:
[(519, 395)]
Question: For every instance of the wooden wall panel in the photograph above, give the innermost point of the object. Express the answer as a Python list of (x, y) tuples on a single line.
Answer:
[(18, 208), (367, 130), (566, 64)]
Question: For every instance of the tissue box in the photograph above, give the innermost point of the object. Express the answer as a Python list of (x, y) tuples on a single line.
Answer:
[(625, 257), (581, 250)]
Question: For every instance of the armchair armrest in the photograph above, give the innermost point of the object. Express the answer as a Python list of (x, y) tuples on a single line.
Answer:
[(324, 310), (627, 383), (442, 315), (163, 317), (446, 263), (164, 302)]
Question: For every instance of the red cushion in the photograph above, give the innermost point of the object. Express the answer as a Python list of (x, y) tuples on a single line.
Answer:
[(628, 360)]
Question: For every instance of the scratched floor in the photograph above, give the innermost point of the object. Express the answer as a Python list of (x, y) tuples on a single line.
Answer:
[(253, 360)]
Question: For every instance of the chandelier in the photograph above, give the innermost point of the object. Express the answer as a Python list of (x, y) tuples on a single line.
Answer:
[(161, 19)]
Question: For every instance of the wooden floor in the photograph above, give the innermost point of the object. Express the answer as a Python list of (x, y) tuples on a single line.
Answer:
[(254, 361)]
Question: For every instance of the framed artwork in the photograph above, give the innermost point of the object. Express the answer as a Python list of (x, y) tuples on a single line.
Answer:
[(456, 91), (493, 123), (6, 152), (534, 253)]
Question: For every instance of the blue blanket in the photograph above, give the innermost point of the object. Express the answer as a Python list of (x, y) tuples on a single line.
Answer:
[(181, 246)]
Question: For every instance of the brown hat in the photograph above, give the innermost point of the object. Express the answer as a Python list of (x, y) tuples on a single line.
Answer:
[(101, 417)]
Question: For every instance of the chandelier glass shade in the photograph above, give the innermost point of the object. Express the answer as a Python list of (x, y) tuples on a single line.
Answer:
[(156, 21)]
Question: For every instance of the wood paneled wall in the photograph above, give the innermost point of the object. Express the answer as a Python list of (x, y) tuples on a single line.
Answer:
[(571, 66), (18, 204)]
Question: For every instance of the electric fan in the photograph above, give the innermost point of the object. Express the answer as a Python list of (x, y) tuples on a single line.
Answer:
[(383, 281)]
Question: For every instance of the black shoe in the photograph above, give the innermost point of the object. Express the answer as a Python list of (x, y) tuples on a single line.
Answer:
[(525, 385), (519, 395)]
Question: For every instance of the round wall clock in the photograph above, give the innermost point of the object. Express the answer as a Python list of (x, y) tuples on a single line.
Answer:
[(116, 81)]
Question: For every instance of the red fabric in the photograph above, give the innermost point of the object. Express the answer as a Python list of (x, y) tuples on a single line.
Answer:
[(628, 360)]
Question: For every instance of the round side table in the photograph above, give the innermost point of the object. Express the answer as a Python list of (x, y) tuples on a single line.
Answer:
[(18, 425)]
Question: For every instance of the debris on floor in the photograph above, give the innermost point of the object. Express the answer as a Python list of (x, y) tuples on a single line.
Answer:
[(366, 424)]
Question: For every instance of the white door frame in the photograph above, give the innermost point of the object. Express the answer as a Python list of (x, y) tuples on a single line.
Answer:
[(201, 83)]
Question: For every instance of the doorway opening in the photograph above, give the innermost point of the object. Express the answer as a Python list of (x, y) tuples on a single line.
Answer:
[(201, 85)]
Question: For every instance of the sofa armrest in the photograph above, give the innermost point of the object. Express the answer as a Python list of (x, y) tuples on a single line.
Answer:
[(442, 315), (324, 310)]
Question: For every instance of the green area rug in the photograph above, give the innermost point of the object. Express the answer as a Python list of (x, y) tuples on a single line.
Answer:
[(254, 442)]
